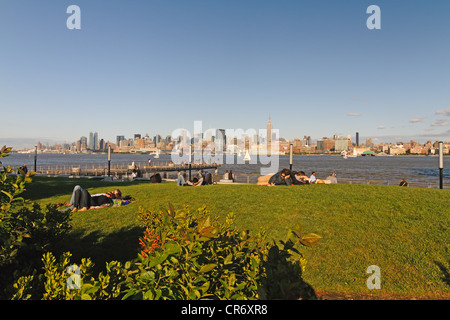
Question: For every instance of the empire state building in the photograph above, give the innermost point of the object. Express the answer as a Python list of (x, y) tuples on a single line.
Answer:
[(269, 133)]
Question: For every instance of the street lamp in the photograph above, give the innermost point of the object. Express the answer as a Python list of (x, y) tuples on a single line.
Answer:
[(35, 158), (190, 161), (441, 165), (290, 156), (109, 160)]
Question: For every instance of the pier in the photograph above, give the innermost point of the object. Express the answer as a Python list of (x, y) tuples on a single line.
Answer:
[(123, 170)]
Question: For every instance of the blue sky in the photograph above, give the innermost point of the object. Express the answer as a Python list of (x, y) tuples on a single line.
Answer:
[(155, 66)]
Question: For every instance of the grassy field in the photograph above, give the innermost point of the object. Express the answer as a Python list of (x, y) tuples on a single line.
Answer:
[(403, 231)]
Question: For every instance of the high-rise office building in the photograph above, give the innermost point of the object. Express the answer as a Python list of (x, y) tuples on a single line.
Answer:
[(357, 139), (119, 138), (157, 139), (269, 131), (220, 140), (96, 142), (93, 141)]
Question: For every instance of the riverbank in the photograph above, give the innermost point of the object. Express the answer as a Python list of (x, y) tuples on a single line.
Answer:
[(404, 231), (393, 169)]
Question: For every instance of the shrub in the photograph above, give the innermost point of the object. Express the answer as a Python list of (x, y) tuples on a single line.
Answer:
[(64, 281), (26, 231), (185, 255)]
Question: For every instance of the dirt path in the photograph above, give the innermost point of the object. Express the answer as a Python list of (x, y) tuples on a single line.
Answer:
[(358, 296)]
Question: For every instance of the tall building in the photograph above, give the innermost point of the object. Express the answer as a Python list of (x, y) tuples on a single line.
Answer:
[(157, 139), (220, 140), (357, 139), (96, 142), (306, 141), (118, 139), (102, 145), (341, 144), (269, 132), (93, 141)]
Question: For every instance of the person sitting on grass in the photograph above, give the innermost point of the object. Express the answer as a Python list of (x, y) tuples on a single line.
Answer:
[(198, 181), (81, 199), (183, 181), (282, 178), (312, 178), (300, 178)]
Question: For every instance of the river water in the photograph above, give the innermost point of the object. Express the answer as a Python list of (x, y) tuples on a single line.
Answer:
[(422, 169)]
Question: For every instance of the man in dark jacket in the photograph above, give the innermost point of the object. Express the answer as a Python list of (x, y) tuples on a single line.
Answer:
[(282, 178)]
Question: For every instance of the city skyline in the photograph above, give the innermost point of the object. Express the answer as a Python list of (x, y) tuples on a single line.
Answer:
[(315, 68), (355, 137), (239, 140)]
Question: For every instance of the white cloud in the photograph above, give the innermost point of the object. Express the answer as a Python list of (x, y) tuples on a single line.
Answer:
[(353, 114), (381, 127), (416, 119), (437, 134), (445, 112), (440, 122)]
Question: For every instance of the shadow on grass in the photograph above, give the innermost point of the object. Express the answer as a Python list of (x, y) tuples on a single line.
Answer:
[(46, 187), (283, 278), (445, 272), (121, 245)]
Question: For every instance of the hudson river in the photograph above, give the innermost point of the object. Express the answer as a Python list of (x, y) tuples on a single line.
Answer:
[(423, 169)]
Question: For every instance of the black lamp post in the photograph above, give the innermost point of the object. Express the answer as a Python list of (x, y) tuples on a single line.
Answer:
[(290, 157), (441, 165), (109, 161), (35, 158)]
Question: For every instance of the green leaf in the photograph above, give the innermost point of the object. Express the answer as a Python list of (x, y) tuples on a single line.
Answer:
[(228, 259), (172, 248), (209, 232), (85, 297), (147, 276), (158, 260), (310, 239), (171, 211), (148, 295), (203, 224), (207, 268), (204, 288)]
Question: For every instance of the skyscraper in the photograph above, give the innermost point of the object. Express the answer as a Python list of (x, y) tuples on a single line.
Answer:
[(96, 142), (91, 141), (220, 140), (269, 132), (118, 139)]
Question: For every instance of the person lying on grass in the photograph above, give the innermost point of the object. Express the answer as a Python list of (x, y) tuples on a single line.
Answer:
[(82, 200), (282, 178)]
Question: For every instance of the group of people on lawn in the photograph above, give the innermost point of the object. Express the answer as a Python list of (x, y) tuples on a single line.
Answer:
[(200, 179), (82, 200), (288, 177), (284, 177)]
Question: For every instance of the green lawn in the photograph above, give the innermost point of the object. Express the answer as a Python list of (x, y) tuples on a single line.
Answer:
[(404, 231)]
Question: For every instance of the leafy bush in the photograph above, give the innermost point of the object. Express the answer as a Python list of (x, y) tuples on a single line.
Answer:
[(26, 232), (187, 255), (65, 281), (184, 255)]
